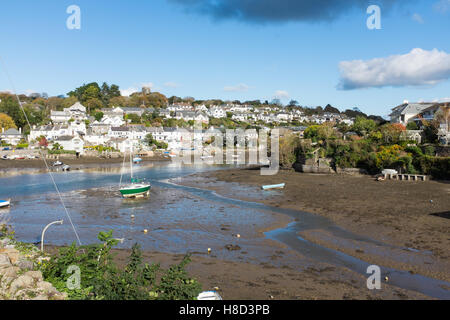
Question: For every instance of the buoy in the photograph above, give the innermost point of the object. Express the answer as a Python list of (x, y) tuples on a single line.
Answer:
[(209, 250), (386, 278), (145, 231), (216, 288), (132, 216), (238, 235)]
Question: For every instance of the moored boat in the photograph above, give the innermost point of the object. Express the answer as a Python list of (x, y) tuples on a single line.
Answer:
[(5, 203), (274, 186), (137, 188)]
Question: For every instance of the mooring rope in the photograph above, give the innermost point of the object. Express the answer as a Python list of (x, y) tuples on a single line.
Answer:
[(40, 151)]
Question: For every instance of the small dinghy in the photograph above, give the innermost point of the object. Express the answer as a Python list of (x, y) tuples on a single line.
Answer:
[(209, 295), (5, 203), (274, 186)]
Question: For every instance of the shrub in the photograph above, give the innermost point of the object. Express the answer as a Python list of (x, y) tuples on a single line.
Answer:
[(102, 279)]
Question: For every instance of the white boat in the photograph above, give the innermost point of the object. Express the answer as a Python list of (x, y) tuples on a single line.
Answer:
[(5, 203), (209, 295), (57, 163), (137, 160), (274, 186)]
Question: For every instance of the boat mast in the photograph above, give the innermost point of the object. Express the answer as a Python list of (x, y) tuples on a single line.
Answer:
[(131, 163)]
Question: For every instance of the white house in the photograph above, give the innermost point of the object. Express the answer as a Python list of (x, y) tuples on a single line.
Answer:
[(72, 143), (11, 136), (76, 112), (217, 112), (404, 113)]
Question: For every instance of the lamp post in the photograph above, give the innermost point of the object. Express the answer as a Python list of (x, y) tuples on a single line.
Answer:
[(45, 229)]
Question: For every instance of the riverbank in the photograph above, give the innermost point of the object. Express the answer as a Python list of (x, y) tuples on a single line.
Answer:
[(247, 281), (82, 162), (411, 217)]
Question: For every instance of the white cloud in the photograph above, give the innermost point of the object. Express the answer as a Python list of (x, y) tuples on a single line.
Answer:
[(128, 92), (417, 68), (171, 85), (281, 94), (147, 85), (418, 18), (442, 100), (442, 6), (238, 88)]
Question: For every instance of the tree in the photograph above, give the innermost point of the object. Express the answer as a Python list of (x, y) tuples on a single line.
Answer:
[(6, 122), (430, 131), (293, 103), (392, 133), (11, 107), (412, 126), (98, 116), (331, 109), (42, 142), (364, 126)]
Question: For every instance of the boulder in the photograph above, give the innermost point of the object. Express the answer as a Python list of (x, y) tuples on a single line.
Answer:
[(25, 264), (47, 287), (5, 262), (12, 253), (36, 275), (21, 282), (10, 272)]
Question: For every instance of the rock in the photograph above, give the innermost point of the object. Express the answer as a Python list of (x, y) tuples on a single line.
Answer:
[(10, 272), (40, 297), (232, 247), (46, 287), (21, 282), (36, 275), (5, 262), (59, 296), (12, 253), (25, 264)]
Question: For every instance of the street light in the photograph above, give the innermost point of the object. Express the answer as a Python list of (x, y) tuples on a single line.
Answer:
[(45, 229)]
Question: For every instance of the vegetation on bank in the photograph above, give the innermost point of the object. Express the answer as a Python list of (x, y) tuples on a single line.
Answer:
[(102, 279), (368, 145)]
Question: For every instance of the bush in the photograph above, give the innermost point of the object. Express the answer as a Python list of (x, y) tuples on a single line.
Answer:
[(102, 279), (438, 167), (62, 152)]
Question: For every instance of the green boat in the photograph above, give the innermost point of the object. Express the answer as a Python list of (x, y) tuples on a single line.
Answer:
[(137, 188)]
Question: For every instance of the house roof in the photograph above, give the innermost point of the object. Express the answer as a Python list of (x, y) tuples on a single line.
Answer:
[(64, 138), (410, 108), (11, 132)]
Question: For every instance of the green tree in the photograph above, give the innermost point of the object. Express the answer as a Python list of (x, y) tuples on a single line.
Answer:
[(364, 126), (6, 122)]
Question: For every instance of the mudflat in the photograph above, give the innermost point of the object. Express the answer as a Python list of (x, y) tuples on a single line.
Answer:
[(413, 217)]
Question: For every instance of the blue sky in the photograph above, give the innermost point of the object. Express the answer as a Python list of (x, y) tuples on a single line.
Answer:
[(188, 52)]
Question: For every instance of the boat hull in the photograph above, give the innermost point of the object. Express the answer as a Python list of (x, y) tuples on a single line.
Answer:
[(136, 192), (5, 204)]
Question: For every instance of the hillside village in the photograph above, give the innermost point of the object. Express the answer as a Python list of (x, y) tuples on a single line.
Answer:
[(77, 128)]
